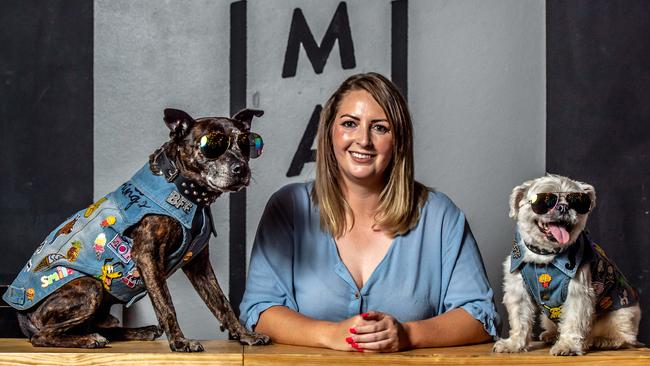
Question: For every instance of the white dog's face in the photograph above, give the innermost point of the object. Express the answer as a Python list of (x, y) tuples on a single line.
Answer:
[(551, 211)]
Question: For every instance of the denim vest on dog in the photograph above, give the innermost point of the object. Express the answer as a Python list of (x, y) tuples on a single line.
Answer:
[(92, 242), (548, 284)]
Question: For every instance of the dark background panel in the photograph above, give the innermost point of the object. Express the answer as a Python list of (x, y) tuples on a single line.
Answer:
[(598, 123), (46, 116)]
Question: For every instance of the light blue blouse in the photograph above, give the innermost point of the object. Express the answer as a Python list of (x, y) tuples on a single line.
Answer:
[(434, 268)]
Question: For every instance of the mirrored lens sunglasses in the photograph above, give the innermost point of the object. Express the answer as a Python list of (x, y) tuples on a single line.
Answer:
[(542, 203)]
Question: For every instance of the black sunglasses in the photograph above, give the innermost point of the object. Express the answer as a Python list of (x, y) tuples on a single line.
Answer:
[(542, 203), (214, 144)]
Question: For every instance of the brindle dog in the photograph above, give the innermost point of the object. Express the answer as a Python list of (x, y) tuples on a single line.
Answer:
[(77, 314)]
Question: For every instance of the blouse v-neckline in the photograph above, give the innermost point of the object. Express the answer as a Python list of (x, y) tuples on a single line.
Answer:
[(344, 272)]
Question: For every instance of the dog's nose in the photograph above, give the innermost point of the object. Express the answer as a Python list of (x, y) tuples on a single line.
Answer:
[(562, 208)]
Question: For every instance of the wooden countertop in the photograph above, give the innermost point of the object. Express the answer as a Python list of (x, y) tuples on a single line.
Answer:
[(220, 352)]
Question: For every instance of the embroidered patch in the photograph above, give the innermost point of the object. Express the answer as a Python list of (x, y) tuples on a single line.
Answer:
[(545, 279), (30, 294), (606, 302), (121, 248), (47, 261), (175, 199), (100, 241), (554, 313), (93, 207), (58, 274), (109, 273), (187, 256), (73, 252), (110, 220), (132, 279), (67, 228)]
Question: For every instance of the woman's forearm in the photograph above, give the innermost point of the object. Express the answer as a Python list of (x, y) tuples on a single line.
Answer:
[(286, 326), (453, 328)]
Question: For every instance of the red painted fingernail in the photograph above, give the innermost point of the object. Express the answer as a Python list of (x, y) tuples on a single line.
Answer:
[(364, 315), (354, 345), (359, 349), (353, 331), (349, 340)]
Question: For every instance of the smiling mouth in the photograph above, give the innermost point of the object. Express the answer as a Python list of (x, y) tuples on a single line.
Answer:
[(557, 231), (361, 157)]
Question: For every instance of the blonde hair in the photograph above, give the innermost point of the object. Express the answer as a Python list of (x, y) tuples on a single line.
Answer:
[(402, 196)]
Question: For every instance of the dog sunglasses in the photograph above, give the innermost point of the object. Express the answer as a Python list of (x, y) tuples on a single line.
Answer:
[(542, 203), (215, 144)]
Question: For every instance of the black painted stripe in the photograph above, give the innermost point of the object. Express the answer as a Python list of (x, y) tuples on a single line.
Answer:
[(46, 143), (237, 239), (399, 45)]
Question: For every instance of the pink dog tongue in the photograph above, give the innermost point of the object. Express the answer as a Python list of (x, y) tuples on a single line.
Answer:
[(559, 233)]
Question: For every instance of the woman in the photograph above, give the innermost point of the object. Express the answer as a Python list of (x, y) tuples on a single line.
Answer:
[(365, 258)]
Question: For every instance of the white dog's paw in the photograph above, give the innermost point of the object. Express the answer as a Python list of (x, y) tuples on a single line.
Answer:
[(548, 336), (567, 348), (509, 345)]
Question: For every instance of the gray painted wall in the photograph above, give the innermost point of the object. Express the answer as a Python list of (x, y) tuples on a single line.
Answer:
[(476, 92)]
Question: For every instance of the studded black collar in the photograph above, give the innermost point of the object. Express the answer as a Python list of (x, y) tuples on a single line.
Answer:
[(188, 188)]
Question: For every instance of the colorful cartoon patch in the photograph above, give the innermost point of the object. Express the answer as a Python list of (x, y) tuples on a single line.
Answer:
[(30, 294), (109, 273), (554, 313), (110, 220), (121, 248), (132, 278), (100, 241), (545, 279), (93, 207)]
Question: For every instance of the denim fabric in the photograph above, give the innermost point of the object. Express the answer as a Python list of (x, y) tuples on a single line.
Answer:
[(548, 284), (92, 242)]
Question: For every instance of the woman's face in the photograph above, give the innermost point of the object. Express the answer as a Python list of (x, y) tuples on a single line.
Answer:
[(362, 139)]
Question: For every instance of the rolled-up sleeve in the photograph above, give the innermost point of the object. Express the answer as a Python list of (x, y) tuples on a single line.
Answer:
[(463, 270), (270, 281)]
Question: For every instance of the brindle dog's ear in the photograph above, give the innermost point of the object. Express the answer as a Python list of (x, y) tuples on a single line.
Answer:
[(178, 122), (246, 116)]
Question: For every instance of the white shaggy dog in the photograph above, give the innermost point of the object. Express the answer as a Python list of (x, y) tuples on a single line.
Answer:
[(554, 267)]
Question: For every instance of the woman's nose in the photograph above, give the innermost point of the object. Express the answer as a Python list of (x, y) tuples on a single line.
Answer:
[(362, 137)]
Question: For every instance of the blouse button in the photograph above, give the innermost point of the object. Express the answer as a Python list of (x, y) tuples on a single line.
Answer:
[(356, 295)]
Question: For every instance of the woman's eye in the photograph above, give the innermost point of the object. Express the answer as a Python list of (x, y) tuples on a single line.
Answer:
[(381, 128), (348, 124)]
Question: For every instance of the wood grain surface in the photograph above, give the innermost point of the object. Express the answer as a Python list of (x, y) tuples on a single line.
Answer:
[(220, 352)]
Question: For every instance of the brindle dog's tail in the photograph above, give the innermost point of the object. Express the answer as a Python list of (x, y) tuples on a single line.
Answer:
[(26, 326)]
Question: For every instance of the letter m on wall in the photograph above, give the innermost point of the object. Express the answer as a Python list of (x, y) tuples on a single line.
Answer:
[(339, 29)]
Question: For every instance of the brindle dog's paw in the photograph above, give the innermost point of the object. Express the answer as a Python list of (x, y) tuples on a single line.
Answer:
[(94, 340), (185, 345), (150, 332), (254, 339)]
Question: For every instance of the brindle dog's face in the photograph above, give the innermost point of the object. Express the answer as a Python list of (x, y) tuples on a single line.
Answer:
[(228, 172), (212, 151)]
